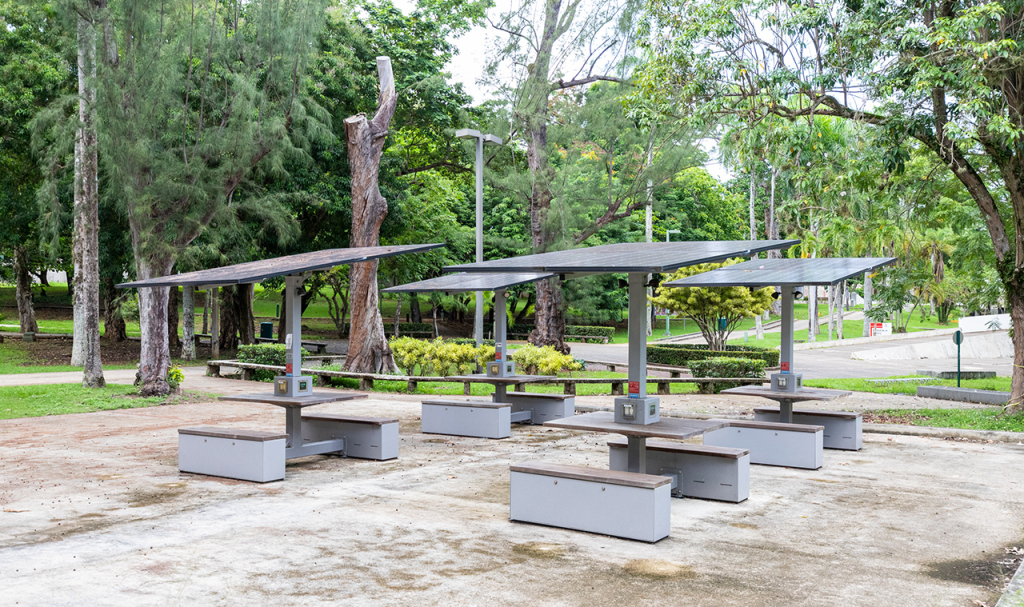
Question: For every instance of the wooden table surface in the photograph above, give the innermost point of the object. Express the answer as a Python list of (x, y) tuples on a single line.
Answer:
[(508, 379), (801, 395), (292, 401), (668, 427)]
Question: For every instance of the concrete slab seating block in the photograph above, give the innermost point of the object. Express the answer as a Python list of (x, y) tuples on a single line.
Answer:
[(482, 419), (543, 407), (791, 445), (843, 430), (245, 455), (622, 504), (701, 471), (365, 437)]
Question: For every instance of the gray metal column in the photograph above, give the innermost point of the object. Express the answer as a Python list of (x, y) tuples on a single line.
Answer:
[(636, 407), (786, 380), (501, 366), (636, 454), (478, 323), (293, 383), (293, 426)]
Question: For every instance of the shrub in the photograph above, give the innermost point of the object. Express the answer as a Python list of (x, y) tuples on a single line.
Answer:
[(174, 377), (403, 327), (265, 354), (725, 366), (608, 332), (545, 361), (130, 308), (467, 340), (437, 357), (683, 355)]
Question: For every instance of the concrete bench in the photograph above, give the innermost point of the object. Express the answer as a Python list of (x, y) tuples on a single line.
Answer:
[(842, 429), (772, 444), (246, 455), (622, 504), (482, 419), (701, 471), (537, 408), (365, 437)]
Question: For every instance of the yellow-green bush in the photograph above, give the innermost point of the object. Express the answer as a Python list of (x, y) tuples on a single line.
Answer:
[(545, 361), (439, 357)]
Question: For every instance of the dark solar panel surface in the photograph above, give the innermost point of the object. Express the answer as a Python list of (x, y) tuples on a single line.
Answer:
[(774, 272), (457, 283), (654, 257), (255, 271)]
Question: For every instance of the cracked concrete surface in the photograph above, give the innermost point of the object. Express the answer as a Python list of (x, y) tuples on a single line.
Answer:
[(95, 512)]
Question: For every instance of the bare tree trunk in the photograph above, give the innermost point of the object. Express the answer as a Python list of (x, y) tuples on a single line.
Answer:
[(812, 313), (648, 228), (206, 311), (368, 346), (433, 315), (155, 357), (85, 349), (867, 303), (246, 316), (398, 314), (173, 300), (772, 228), (831, 317), (214, 294), (839, 309), (414, 308), (758, 324), (114, 329), (23, 292), (188, 331)]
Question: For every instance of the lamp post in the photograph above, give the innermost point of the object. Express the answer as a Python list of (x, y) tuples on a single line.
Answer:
[(668, 330), (481, 140)]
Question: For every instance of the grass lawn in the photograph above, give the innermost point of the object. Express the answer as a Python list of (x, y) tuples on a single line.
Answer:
[(969, 419), (862, 385), (37, 401), (15, 360)]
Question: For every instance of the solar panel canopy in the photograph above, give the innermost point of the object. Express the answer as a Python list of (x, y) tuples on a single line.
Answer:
[(255, 271), (462, 282), (648, 257), (774, 272)]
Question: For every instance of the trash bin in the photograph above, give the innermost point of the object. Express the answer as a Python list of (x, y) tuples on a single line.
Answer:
[(267, 330)]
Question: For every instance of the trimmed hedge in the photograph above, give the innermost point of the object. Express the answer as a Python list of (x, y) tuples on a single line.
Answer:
[(684, 355), (403, 327), (467, 341), (593, 331), (725, 366), (265, 354)]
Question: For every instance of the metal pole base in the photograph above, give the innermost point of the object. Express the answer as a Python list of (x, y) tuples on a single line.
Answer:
[(787, 382), (293, 385), (641, 411)]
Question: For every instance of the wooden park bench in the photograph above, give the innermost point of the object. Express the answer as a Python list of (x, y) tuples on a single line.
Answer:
[(701, 471), (611, 502), (772, 444)]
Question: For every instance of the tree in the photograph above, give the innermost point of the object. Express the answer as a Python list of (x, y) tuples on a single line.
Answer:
[(368, 346), (944, 75), (707, 306)]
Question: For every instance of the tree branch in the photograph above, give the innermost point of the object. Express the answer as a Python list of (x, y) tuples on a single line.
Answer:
[(562, 84)]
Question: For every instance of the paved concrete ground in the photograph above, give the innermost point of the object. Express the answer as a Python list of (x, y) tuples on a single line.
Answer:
[(95, 512)]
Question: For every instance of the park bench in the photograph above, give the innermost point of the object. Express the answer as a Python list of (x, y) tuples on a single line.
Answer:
[(611, 502), (365, 437), (701, 471), (541, 407), (772, 444), (842, 429), (319, 346), (895, 381), (482, 419), (248, 455)]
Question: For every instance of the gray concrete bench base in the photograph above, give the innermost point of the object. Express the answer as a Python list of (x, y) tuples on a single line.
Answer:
[(790, 445), (842, 431), (245, 455), (365, 437), (696, 474), (542, 407), (587, 499), (467, 418)]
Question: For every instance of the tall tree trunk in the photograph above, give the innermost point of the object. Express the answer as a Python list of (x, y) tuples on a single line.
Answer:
[(831, 310), (282, 316), (758, 324), (246, 315), (155, 357), (398, 314), (867, 304), (648, 226), (23, 292), (839, 309), (188, 330), (812, 313), (230, 322), (173, 301), (368, 348), (772, 228), (85, 349), (113, 322), (414, 308)]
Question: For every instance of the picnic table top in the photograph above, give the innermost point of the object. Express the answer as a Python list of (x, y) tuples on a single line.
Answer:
[(793, 397), (292, 401), (669, 427), (508, 379)]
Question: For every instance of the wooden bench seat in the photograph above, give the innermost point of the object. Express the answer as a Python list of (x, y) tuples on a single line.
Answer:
[(537, 407), (482, 419), (247, 455), (701, 471), (373, 438), (772, 444), (611, 502), (843, 429)]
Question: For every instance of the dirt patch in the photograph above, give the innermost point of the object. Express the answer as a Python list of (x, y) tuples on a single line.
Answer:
[(904, 418), (744, 526), (991, 570), (540, 550), (659, 570)]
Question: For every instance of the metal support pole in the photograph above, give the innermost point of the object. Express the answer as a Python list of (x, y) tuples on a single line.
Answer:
[(478, 323), (293, 341), (500, 326), (786, 344), (293, 426), (636, 454), (636, 407)]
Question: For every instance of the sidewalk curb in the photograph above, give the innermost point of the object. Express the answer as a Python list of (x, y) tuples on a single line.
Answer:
[(1014, 594), (996, 436)]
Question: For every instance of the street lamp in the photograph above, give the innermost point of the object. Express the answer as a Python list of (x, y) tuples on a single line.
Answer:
[(668, 330), (481, 140)]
